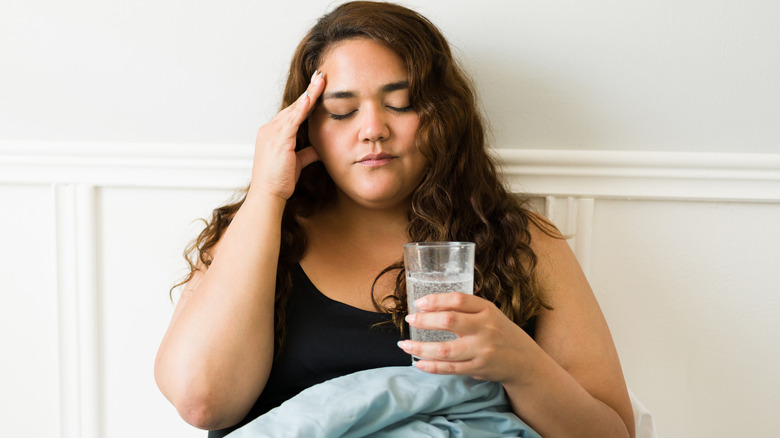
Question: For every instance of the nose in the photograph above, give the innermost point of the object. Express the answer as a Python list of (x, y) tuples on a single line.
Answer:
[(373, 125)]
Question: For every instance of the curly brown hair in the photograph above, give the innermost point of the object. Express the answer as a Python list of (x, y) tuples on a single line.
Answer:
[(460, 198)]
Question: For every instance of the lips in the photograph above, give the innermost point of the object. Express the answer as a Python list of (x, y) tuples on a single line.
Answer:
[(375, 160)]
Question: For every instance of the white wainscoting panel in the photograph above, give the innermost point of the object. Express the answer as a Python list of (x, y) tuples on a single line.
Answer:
[(680, 249), (691, 291), (574, 217), (142, 234), (29, 365)]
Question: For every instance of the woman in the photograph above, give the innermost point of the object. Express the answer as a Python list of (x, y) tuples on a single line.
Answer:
[(380, 143)]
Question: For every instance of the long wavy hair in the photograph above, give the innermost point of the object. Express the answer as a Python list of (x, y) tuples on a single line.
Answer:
[(461, 197)]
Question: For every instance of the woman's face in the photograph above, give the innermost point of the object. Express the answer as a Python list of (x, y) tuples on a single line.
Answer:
[(364, 128)]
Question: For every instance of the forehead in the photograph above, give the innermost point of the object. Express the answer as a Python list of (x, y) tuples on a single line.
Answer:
[(361, 62)]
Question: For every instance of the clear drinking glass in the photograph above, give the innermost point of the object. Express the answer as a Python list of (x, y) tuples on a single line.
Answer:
[(434, 268)]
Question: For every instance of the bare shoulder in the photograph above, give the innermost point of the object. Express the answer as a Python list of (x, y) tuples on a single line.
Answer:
[(557, 266), (574, 310)]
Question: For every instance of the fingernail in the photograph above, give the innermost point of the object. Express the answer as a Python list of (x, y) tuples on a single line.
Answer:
[(402, 345), (320, 75), (410, 318), (421, 302), (313, 76), (306, 93)]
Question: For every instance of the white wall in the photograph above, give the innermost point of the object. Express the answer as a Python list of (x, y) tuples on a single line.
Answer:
[(663, 75), (122, 122)]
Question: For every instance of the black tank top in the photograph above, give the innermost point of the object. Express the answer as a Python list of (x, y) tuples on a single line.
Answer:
[(326, 339)]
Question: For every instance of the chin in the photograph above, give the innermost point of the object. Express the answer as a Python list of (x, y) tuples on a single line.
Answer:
[(379, 200)]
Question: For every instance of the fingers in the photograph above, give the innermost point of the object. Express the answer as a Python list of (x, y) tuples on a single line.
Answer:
[(452, 311), (277, 166), (447, 367), (307, 156), (307, 101), (455, 301), (465, 315), (298, 111), (451, 321), (453, 351), (456, 322), (487, 339)]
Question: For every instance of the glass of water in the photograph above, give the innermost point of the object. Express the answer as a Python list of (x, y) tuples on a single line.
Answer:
[(435, 268)]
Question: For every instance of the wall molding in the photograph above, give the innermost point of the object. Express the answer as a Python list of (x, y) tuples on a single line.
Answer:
[(644, 175), (146, 165), (590, 173)]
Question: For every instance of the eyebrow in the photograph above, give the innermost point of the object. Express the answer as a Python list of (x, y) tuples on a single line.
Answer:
[(387, 88)]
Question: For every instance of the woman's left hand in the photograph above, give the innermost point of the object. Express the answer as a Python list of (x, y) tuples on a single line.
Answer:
[(489, 345)]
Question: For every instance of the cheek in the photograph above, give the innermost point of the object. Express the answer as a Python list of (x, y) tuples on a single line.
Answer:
[(323, 128), (412, 124), (324, 138), (410, 135)]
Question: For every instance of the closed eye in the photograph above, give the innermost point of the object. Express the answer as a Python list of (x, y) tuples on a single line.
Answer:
[(342, 116), (405, 109), (349, 114)]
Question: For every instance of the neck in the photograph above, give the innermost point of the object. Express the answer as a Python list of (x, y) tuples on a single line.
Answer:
[(345, 223), (359, 220)]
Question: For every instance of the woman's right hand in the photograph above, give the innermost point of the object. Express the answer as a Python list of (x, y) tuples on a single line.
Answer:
[(276, 166)]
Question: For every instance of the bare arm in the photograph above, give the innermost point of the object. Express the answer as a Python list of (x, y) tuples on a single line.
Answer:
[(216, 355), (575, 384)]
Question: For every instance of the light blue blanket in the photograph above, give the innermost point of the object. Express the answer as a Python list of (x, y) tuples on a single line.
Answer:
[(401, 402)]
